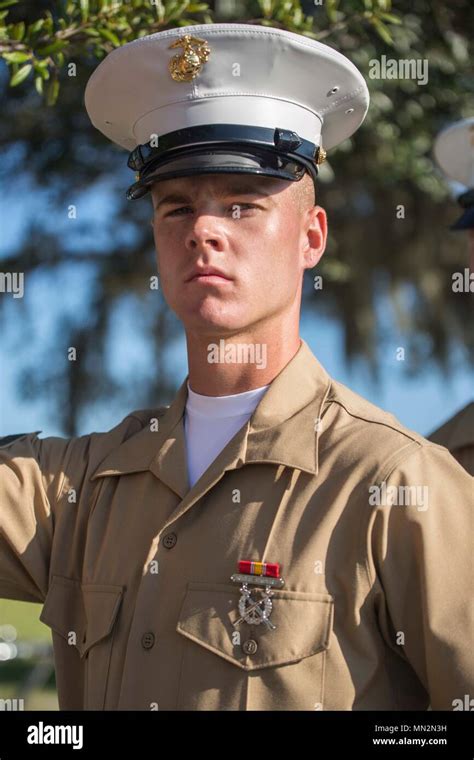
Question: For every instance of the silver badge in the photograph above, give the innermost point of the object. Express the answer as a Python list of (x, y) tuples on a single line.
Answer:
[(255, 611)]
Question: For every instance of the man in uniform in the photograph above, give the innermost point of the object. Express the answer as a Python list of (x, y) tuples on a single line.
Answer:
[(454, 152), (269, 541)]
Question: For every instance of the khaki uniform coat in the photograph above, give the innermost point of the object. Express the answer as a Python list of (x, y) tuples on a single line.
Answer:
[(457, 435), (133, 567)]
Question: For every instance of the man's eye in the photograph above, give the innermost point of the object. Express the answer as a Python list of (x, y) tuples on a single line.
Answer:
[(242, 205), (177, 211)]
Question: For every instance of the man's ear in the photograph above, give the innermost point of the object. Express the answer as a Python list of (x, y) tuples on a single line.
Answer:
[(315, 236)]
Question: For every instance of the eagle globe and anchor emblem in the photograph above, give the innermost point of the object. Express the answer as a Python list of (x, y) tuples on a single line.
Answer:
[(187, 65)]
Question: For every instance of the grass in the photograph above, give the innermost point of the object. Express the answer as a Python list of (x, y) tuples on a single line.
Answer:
[(24, 616), (38, 699)]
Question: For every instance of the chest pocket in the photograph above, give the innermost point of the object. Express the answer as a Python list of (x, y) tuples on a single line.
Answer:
[(84, 615), (250, 667)]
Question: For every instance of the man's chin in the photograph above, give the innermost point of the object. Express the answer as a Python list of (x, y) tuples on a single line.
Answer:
[(214, 326), (214, 330), (208, 314)]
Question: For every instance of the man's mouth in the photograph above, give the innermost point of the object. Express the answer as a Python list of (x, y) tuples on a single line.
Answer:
[(208, 275)]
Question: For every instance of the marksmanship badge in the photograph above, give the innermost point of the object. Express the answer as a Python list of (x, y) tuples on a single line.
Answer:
[(260, 574)]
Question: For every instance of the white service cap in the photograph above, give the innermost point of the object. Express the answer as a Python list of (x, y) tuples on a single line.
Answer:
[(235, 98), (454, 154), (454, 151)]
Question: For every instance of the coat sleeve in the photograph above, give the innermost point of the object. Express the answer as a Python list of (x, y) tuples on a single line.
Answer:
[(31, 473), (419, 549)]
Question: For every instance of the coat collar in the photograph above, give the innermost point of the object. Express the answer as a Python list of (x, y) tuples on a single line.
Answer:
[(282, 430)]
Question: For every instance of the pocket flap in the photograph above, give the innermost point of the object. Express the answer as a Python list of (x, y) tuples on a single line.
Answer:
[(303, 623), (101, 604), (86, 610)]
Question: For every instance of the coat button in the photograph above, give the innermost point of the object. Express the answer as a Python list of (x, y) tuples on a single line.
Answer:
[(148, 640), (169, 540), (250, 646)]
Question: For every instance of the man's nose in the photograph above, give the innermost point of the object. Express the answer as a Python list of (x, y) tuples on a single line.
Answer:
[(206, 229)]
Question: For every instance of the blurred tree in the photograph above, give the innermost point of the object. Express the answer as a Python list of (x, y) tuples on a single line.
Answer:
[(388, 208)]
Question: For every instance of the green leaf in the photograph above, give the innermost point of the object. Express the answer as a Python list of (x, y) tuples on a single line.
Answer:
[(84, 9), (52, 92), (54, 47), (41, 68), (20, 75), (391, 18), (17, 57), (331, 12), (160, 9), (108, 35), (91, 32), (266, 6), (7, 3), (39, 85), (36, 27), (58, 58), (17, 31), (48, 25), (382, 30)]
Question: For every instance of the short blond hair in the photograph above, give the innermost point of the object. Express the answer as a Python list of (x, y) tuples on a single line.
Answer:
[(305, 192)]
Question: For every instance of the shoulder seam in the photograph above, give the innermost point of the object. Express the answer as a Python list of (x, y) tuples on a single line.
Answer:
[(429, 445), (396, 459), (405, 433)]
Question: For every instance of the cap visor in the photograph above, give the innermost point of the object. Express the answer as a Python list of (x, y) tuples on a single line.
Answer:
[(465, 221), (266, 163)]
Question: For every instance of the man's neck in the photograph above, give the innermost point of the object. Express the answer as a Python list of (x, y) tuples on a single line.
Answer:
[(223, 365)]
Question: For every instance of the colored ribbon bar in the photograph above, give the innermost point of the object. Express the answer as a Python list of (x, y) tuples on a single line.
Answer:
[(271, 569)]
